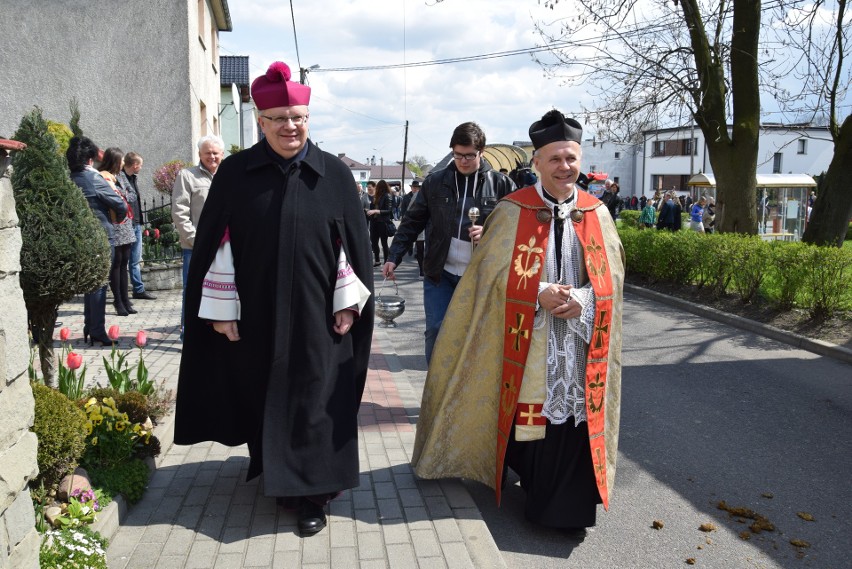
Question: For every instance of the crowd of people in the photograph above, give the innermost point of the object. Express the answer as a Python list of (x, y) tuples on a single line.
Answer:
[(112, 193)]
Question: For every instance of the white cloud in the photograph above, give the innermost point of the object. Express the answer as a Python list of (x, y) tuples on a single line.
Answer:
[(362, 113)]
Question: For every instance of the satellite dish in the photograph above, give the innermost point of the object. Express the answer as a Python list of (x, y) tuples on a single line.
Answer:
[(235, 98)]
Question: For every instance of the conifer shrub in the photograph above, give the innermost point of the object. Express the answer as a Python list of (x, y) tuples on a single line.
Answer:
[(61, 430), (64, 249)]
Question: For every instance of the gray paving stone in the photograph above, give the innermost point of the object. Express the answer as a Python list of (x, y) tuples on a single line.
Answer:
[(384, 490), (225, 485), (410, 497), (315, 549), (390, 509), (371, 545), (342, 534), (447, 530), (425, 543), (263, 525), (234, 540), (457, 495), (144, 556), (171, 562), (197, 496), (363, 499), (457, 556), (287, 559), (179, 542), (228, 561), (438, 507), (202, 555), (188, 516), (373, 564), (260, 552), (344, 557), (156, 534), (287, 540), (401, 556), (239, 515), (395, 533)]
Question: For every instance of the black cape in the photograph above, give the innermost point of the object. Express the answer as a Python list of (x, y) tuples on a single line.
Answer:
[(291, 386)]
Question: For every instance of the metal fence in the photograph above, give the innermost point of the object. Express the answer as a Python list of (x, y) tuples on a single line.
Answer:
[(160, 242)]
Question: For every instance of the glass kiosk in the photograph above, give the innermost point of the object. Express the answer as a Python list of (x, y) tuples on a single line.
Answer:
[(782, 202)]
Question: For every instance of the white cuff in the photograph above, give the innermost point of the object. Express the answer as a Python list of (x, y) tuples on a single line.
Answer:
[(219, 297), (349, 291)]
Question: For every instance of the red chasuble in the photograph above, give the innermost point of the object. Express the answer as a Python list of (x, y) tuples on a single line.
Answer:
[(521, 292)]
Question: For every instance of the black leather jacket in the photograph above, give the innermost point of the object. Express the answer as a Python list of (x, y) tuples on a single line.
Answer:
[(434, 209)]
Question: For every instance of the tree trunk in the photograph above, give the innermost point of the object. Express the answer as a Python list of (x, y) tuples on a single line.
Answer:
[(832, 210), (43, 322), (736, 195)]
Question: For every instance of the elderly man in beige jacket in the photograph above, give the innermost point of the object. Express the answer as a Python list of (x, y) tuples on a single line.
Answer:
[(189, 194)]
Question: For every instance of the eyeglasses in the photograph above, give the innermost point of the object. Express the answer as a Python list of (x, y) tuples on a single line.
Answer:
[(471, 156), (297, 120)]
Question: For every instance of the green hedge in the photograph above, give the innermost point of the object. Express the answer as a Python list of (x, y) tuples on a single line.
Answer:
[(788, 274)]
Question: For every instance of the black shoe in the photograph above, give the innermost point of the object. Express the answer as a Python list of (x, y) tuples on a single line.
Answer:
[(311, 517), (120, 309), (377, 264), (129, 308), (102, 338), (144, 295)]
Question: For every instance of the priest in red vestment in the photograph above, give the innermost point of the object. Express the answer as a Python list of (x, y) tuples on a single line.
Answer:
[(526, 372)]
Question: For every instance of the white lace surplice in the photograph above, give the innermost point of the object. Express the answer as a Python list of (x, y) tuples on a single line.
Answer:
[(568, 339)]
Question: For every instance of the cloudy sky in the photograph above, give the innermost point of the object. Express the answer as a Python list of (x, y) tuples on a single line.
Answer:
[(363, 113)]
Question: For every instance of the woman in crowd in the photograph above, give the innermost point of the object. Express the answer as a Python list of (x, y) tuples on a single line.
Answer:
[(102, 200), (125, 236), (696, 215), (380, 216)]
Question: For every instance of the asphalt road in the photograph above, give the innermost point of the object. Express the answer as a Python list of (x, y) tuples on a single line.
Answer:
[(709, 413)]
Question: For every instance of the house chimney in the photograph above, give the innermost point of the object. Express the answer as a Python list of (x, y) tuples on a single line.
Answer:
[(341, 155)]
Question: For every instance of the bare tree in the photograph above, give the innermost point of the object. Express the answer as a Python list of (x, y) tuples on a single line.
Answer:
[(818, 31), (671, 62)]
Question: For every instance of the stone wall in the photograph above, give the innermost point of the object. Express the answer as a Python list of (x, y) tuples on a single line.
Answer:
[(19, 541)]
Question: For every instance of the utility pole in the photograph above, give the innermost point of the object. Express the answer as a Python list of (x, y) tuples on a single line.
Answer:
[(404, 154)]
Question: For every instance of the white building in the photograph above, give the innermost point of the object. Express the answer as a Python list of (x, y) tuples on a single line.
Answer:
[(671, 156)]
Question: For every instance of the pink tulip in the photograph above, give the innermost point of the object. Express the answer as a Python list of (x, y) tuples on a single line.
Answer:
[(64, 334), (141, 338), (146, 233), (113, 332), (74, 361), (156, 233)]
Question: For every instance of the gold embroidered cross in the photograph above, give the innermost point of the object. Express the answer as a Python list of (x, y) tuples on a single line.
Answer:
[(510, 390), (601, 329), (593, 252), (531, 415), (594, 387), (599, 467), (518, 332)]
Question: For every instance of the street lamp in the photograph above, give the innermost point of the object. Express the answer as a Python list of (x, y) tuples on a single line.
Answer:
[(303, 72)]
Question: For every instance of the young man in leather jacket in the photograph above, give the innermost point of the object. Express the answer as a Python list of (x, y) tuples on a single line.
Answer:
[(442, 208)]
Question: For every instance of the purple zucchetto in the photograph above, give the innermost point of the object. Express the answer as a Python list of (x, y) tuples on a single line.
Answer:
[(274, 89), (554, 127)]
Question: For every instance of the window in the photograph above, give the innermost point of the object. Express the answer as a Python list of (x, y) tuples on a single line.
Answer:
[(201, 25), (689, 146), (803, 146), (659, 148), (776, 163), (618, 155), (615, 179), (203, 119), (214, 45), (363, 175)]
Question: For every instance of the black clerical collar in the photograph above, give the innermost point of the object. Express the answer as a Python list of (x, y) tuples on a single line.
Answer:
[(280, 160), (550, 198)]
